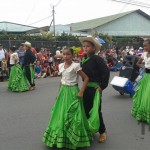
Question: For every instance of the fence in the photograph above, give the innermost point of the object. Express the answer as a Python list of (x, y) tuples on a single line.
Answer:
[(38, 44)]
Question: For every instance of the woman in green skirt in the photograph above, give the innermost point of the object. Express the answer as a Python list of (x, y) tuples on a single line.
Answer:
[(17, 80), (68, 126), (141, 99)]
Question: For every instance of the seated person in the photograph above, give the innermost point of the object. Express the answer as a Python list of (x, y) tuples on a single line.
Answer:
[(4, 71), (46, 69), (38, 70), (54, 69)]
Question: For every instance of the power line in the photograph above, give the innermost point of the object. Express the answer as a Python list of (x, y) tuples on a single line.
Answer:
[(52, 15), (40, 20), (140, 3), (136, 3), (54, 20), (57, 3), (124, 6), (34, 22), (31, 12)]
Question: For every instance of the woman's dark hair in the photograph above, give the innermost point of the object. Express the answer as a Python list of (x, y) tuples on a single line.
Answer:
[(13, 48), (147, 40), (69, 49)]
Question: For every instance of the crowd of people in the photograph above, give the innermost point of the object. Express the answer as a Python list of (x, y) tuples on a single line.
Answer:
[(114, 57), (46, 64)]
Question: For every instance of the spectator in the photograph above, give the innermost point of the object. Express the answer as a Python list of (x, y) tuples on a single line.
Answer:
[(46, 69), (2, 56), (38, 70), (40, 56), (58, 55), (21, 54), (50, 58), (34, 51), (76, 58), (54, 69)]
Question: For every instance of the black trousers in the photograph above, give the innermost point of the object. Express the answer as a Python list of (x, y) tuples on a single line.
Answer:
[(28, 75), (88, 98)]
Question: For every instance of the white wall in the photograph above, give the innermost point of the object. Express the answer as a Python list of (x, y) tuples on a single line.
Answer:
[(133, 24)]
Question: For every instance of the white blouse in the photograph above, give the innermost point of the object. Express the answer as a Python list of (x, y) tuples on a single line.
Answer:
[(69, 75), (2, 54), (146, 60), (12, 62)]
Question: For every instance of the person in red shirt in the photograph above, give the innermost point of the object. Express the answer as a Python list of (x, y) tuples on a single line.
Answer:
[(34, 51), (81, 53), (40, 56)]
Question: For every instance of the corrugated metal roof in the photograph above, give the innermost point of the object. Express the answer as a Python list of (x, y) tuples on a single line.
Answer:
[(91, 24), (14, 27)]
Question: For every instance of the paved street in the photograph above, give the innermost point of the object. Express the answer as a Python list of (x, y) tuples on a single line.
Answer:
[(24, 117)]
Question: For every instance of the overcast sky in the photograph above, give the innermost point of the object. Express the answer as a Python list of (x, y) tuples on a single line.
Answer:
[(39, 12)]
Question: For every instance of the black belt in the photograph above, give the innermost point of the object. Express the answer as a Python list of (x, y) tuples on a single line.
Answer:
[(147, 70), (29, 65)]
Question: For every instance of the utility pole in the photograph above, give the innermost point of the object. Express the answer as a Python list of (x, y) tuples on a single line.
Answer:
[(54, 20)]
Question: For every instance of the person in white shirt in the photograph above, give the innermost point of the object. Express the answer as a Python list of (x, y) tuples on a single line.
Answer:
[(2, 57), (2, 52), (141, 99), (68, 121), (58, 55), (17, 80), (58, 51)]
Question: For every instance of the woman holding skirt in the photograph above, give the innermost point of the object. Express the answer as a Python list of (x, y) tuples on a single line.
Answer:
[(141, 99), (68, 126), (17, 80)]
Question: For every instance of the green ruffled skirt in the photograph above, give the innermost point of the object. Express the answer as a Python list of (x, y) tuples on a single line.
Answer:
[(68, 126), (141, 100), (17, 80)]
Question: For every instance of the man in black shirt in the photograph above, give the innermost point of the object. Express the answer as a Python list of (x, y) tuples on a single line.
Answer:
[(28, 64), (97, 71)]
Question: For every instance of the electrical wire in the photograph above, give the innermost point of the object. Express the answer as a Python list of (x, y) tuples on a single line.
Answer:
[(40, 20), (124, 6), (34, 22), (136, 3), (57, 3), (32, 10)]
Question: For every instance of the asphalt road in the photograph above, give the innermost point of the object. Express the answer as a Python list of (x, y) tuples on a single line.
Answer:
[(24, 117)]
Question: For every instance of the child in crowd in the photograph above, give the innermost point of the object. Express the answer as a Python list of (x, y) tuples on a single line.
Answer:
[(76, 58), (44, 73), (46, 69), (101, 54), (141, 99), (68, 126), (38, 70), (4, 67), (50, 58), (54, 69)]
